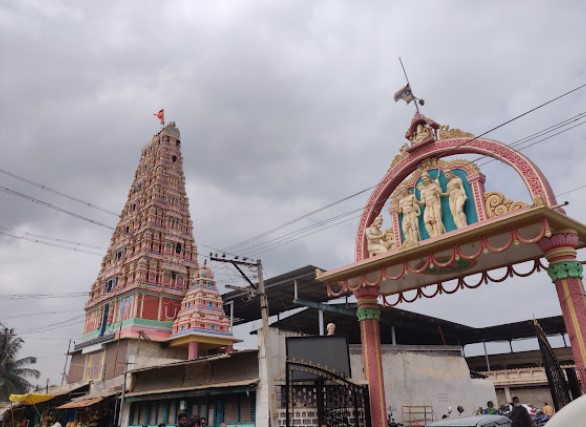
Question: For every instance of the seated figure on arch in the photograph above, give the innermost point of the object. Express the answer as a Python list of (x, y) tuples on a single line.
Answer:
[(378, 241)]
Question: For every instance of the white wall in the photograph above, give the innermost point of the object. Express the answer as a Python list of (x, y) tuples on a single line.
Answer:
[(427, 375)]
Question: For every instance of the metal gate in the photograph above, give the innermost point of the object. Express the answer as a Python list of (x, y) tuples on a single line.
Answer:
[(338, 401)]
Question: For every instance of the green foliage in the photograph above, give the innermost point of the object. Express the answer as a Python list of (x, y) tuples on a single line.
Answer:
[(14, 372)]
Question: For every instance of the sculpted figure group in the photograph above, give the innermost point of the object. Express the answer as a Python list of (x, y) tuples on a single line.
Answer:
[(411, 207), (379, 241)]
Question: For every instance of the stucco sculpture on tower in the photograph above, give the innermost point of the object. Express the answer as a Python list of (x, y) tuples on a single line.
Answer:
[(457, 197), (152, 257), (409, 208), (430, 198), (379, 241), (422, 133)]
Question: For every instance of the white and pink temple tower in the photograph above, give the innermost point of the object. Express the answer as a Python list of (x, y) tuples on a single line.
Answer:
[(150, 285)]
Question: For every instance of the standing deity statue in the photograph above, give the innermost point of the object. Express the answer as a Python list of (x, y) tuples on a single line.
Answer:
[(409, 207), (378, 241), (457, 198), (430, 198)]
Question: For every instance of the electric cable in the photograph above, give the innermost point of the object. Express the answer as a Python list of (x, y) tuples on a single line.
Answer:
[(292, 221), (39, 314), (59, 193), (45, 296), (55, 239), (519, 142), (53, 207), (40, 242)]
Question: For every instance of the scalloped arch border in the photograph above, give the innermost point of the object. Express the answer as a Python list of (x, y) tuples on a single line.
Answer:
[(529, 172)]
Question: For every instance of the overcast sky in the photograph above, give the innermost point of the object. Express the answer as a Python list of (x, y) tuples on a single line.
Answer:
[(283, 108)]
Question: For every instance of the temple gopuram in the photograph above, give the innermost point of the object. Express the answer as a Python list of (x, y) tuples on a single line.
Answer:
[(151, 296)]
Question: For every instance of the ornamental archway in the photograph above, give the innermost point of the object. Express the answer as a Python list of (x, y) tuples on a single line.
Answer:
[(446, 228)]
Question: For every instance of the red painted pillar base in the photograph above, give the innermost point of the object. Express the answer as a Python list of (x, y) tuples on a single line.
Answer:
[(566, 273), (192, 351), (369, 316)]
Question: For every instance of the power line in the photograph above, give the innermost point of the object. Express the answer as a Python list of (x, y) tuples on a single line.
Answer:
[(260, 247), (279, 244), (54, 239), (54, 207), (272, 230), (54, 327), (292, 221), (40, 314), (256, 247), (50, 326), (41, 242), (59, 193), (46, 296)]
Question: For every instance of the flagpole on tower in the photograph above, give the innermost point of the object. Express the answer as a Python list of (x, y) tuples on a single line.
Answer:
[(405, 93), (161, 116), (408, 83)]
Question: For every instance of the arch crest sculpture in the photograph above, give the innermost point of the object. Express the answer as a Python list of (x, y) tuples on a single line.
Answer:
[(419, 167)]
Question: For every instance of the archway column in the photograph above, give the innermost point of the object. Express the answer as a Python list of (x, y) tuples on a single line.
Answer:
[(369, 316), (566, 273)]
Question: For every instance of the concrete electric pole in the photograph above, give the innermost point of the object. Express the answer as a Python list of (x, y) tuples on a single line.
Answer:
[(264, 353)]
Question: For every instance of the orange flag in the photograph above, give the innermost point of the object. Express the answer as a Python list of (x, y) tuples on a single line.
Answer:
[(161, 116)]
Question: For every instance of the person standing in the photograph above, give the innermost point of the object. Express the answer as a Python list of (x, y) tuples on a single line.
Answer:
[(490, 409), (331, 329), (519, 415), (548, 410), (181, 419)]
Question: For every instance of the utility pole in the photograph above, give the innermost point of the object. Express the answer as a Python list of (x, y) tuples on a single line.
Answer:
[(64, 375), (264, 353), (123, 393)]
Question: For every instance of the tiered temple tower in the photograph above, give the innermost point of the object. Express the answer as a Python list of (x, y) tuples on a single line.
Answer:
[(151, 302), (152, 256), (201, 324)]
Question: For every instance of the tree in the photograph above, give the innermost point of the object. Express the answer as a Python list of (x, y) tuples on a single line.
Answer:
[(14, 372)]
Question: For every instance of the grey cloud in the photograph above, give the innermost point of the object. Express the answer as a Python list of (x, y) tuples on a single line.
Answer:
[(283, 108)]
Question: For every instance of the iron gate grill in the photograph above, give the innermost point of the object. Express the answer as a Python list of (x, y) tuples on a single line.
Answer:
[(338, 401)]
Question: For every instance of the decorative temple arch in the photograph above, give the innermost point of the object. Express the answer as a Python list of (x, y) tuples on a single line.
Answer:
[(446, 228), (406, 163)]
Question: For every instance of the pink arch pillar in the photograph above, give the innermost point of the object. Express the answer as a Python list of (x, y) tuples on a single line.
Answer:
[(566, 273), (369, 316)]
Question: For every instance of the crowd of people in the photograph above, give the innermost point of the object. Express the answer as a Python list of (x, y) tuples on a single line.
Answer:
[(195, 421), (518, 413)]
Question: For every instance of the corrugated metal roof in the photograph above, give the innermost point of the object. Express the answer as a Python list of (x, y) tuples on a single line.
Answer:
[(280, 293), (81, 403), (241, 383), (196, 361)]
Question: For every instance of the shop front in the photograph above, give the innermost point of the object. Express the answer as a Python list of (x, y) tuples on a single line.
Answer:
[(88, 412), (221, 388), (233, 404)]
